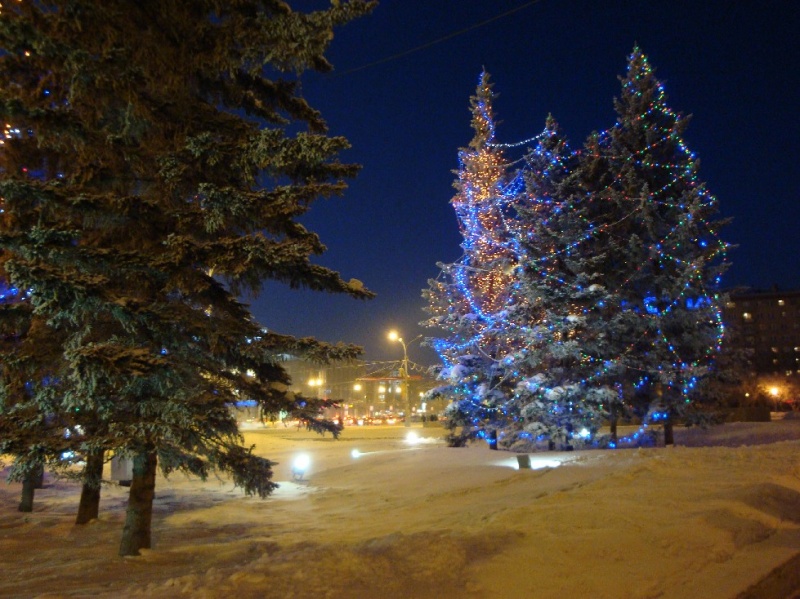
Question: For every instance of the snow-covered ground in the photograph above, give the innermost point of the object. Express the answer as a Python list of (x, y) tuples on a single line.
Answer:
[(705, 519)]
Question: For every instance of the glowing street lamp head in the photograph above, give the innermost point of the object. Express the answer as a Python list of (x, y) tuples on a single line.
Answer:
[(774, 391), (394, 336)]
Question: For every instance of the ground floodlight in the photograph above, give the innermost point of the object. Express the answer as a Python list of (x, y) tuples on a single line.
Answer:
[(300, 466)]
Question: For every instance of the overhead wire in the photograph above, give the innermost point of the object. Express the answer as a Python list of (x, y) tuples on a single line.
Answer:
[(439, 40)]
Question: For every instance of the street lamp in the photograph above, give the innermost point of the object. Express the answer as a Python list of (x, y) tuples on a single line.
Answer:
[(316, 385), (406, 397), (775, 393)]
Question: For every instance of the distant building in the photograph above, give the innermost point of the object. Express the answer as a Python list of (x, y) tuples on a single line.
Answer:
[(360, 392), (768, 323), (329, 381), (381, 392), (335, 381)]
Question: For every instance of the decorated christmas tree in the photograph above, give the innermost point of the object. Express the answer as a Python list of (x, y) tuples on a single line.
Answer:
[(654, 227), (470, 300), (560, 298)]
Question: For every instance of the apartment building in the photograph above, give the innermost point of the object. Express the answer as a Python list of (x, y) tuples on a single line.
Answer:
[(768, 324)]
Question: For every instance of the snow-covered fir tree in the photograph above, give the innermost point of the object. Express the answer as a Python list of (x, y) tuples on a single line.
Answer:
[(560, 302), (31, 354), (655, 233), (470, 299), (161, 155)]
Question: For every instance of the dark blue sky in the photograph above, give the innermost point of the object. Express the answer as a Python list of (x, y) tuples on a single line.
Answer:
[(733, 64)]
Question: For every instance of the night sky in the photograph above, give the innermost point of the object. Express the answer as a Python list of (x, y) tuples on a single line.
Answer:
[(734, 65)]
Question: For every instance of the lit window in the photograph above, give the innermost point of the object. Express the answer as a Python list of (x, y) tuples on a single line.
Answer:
[(774, 350), (730, 304), (747, 316), (781, 303)]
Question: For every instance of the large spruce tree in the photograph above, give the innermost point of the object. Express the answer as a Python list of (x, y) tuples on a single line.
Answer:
[(157, 159), (655, 232), (469, 300), (558, 322)]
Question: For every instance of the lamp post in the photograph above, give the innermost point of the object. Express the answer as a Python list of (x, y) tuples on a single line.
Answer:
[(406, 396)]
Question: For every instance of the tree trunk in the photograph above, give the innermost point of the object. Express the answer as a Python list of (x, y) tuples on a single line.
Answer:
[(669, 437), (136, 533), (34, 480), (613, 424), (89, 506), (26, 501), (38, 477)]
